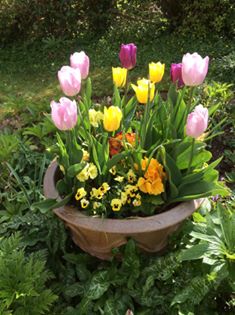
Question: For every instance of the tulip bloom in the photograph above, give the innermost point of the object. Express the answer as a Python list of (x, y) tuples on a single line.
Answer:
[(197, 122), (176, 74), (156, 71), (80, 61), (142, 89), (119, 76), (112, 118), (127, 56), (70, 80), (64, 113), (194, 69)]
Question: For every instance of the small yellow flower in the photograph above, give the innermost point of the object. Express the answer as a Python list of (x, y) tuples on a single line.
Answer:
[(83, 175), (104, 187), (136, 202), (116, 204), (119, 179), (119, 76), (142, 90), (113, 170), (84, 203), (95, 117), (80, 193), (112, 118), (156, 71), (96, 193), (92, 171), (123, 197), (131, 190), (131, 177), (96, 205), (86, 155)]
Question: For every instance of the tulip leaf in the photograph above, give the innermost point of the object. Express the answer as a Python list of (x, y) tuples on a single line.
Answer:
[(75, 169), (116, 97)]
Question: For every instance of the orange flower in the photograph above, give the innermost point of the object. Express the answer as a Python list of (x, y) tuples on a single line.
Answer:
[(151, 183), (116, 143)]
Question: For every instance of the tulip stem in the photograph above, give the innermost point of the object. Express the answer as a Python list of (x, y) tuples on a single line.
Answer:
[(125, 96), (191, 156)]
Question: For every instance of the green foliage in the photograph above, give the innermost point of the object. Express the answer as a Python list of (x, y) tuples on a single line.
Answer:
[(200, 17), (22, 280)]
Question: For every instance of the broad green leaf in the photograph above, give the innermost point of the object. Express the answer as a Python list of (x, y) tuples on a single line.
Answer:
[(194, 252), (75, 169), (98, 285)]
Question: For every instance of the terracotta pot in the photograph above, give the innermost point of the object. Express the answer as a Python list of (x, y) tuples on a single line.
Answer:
[(98, 236)]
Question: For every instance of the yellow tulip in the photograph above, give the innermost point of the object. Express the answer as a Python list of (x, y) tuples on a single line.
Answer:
[(156, 71), (112, 118), (141, 90), (119, 76)]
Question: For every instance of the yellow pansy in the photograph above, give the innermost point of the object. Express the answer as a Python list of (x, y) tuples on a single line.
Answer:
[(112, 118), (131, 190), (84, 174), (96, 193), (156, 71), (119, 179), (119, 76), (80, 193), (142, 89), (92, 171), (123, 197), (131, 177), (116, 204), (113, 170), (136, 202), (104, 187), (86, 155), (95, 117), (84, 203)]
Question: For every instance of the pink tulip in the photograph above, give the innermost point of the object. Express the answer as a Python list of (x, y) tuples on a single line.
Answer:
[(194, 69), (80, 61), (197, 122), (176, 74), (129, 312), (64, 113), (70, 80), (127, 56)]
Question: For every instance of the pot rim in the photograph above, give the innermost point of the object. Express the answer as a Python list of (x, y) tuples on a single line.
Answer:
[(131, 225)]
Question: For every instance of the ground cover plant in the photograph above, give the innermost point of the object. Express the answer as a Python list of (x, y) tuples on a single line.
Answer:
[(40, 266)]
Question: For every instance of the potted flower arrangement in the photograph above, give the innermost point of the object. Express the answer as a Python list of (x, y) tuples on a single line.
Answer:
[(136, 168)]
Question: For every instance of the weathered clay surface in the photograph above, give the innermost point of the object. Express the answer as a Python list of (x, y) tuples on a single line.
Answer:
[(99, 236)]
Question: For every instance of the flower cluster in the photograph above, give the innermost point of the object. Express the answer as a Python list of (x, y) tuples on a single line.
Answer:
[(141, 153)]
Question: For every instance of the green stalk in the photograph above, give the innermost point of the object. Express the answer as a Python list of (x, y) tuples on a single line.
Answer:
[(191, 156)]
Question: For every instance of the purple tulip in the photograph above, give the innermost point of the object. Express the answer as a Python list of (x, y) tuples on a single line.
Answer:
[(70, 80), (176, 74), (197, 122), (64, 113), (194, 69), (127, 56), (80, 61)]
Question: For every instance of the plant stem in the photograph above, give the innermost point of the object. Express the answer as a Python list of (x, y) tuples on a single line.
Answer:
[(191, 156)]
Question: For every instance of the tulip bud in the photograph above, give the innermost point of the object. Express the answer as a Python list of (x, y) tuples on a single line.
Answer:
[(194, 69), (119, 76), (176, 74), (156, 71), (197, 122), (127, 55), (129, 312), (142, 89), (70, 80), (64, 113), (112, 118), (80, 61)]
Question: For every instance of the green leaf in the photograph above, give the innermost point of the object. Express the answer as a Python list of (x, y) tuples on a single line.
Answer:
[(75, 169), (194, 252), (74, 290), (98, 285)]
